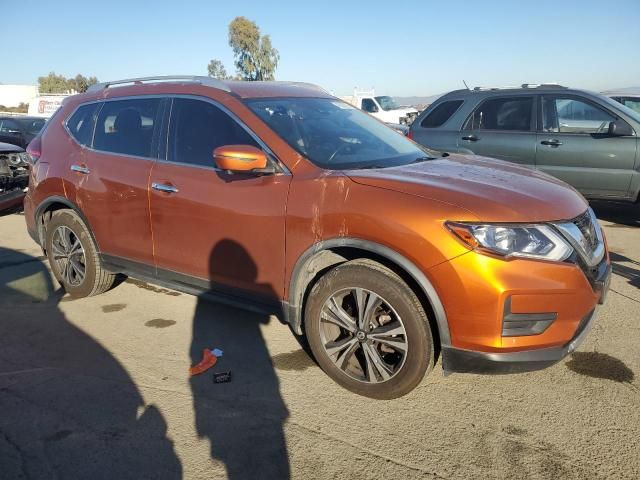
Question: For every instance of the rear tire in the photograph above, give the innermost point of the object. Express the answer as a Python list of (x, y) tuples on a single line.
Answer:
[(73, 256), (383, 352)]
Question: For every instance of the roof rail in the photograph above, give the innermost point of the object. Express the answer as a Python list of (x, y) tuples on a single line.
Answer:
[(542, 85), (207, 81), (524, 85)]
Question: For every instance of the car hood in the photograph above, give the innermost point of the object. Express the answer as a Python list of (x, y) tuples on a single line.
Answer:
[(489, 190)]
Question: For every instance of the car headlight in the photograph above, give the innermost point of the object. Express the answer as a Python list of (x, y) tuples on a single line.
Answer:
[(528, 241)]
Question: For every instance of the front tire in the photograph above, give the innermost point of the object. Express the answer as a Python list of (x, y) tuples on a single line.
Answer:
[(368, 330), (73, 256)]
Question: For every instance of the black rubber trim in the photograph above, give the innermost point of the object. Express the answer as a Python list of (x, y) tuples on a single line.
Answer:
[(469, 361), (524, 324)]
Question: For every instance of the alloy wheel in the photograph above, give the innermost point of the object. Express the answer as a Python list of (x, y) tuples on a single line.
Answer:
[(69, 255), (363, 335)]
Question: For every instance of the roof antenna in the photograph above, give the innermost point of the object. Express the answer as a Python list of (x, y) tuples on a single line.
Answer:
[(465, 84)]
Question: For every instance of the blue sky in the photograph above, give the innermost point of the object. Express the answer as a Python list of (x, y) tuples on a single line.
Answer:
[(418, 47)]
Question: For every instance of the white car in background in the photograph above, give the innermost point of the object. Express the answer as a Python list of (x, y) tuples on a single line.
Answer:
[(382, 107), (629, 97)]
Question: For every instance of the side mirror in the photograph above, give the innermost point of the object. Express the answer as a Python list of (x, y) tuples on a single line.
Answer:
[(620, 128), (241, 158)]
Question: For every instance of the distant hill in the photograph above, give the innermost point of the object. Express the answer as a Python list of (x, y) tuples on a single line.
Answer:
[(623, 91), (417, 100)]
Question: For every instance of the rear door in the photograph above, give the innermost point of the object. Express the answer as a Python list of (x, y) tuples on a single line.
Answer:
[(574, 145), (214, 229), (502, 127), (111, 178)]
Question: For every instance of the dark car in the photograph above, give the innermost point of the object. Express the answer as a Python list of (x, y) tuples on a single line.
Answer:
[(583, 138), (19, 130), (14, 176)]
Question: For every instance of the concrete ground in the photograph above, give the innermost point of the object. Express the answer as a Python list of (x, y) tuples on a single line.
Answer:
[(98, 388)]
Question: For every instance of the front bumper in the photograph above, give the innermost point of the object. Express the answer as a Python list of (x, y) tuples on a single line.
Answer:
[(468, 361), (11, 200)]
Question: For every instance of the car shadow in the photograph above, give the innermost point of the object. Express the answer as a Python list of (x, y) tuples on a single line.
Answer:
[(622, 215), (68, 408), (632, 274), (243, 419)]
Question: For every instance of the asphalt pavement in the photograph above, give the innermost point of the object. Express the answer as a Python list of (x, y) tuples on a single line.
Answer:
[(99, 388)]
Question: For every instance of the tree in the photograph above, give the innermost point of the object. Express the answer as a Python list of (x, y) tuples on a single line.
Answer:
[(81, 83), (217, 70), (52, 83), (255, 57)]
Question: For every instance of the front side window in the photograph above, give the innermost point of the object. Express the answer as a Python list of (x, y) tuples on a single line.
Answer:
[(571, 115), (197, 128), (32, 125), (334, 135), (127, 126), (387, 103), (507, 113), (81, 123), (441, 113), (368, 105)]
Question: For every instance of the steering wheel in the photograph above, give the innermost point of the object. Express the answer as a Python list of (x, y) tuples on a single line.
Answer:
[(338, 150)]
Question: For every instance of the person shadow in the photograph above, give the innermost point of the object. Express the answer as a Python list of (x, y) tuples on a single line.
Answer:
[(68, 408), (243, 419)]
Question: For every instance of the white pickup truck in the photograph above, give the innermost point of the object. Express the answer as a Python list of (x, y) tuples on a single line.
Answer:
[(382, 107)]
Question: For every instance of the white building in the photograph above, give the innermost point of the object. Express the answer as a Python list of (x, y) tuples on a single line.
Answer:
[(14, 95)]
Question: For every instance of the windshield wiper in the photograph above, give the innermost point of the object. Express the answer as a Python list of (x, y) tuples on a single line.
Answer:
[(422, 159)]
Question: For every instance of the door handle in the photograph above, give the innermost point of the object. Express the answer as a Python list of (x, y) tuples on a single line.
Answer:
[(80, 169), (163, 187), (551, 143), (470, 138)]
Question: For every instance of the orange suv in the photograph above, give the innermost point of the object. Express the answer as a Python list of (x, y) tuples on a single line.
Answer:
[(280, 197)]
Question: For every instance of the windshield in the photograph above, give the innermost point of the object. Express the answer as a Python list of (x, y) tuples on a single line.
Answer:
[(334, 135), (32, 125), (387, 103)]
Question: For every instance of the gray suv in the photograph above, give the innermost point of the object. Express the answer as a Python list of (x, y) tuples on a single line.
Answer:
[(586, 139)]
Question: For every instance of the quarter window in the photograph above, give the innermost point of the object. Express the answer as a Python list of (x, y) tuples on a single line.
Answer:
[(127, 126), (441, 113), (81, 123), (198, 128), (570, 115), (509, 113)]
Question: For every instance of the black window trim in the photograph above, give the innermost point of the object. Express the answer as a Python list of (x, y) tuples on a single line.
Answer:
[(164, 130), (281, 168), (102, 101), (435, 106), (572, 96), (534, 114)]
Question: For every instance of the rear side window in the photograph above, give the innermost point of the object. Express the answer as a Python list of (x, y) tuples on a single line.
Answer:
[(81, 123), (508, 113), (127, 126), (441, 114), (197, 128)]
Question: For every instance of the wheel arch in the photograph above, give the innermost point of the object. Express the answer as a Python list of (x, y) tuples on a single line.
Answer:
[(50, 205), (321, 256)]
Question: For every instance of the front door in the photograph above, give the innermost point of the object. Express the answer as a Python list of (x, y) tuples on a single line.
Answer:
[(502, 128), (224, 231), (574, 145)]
